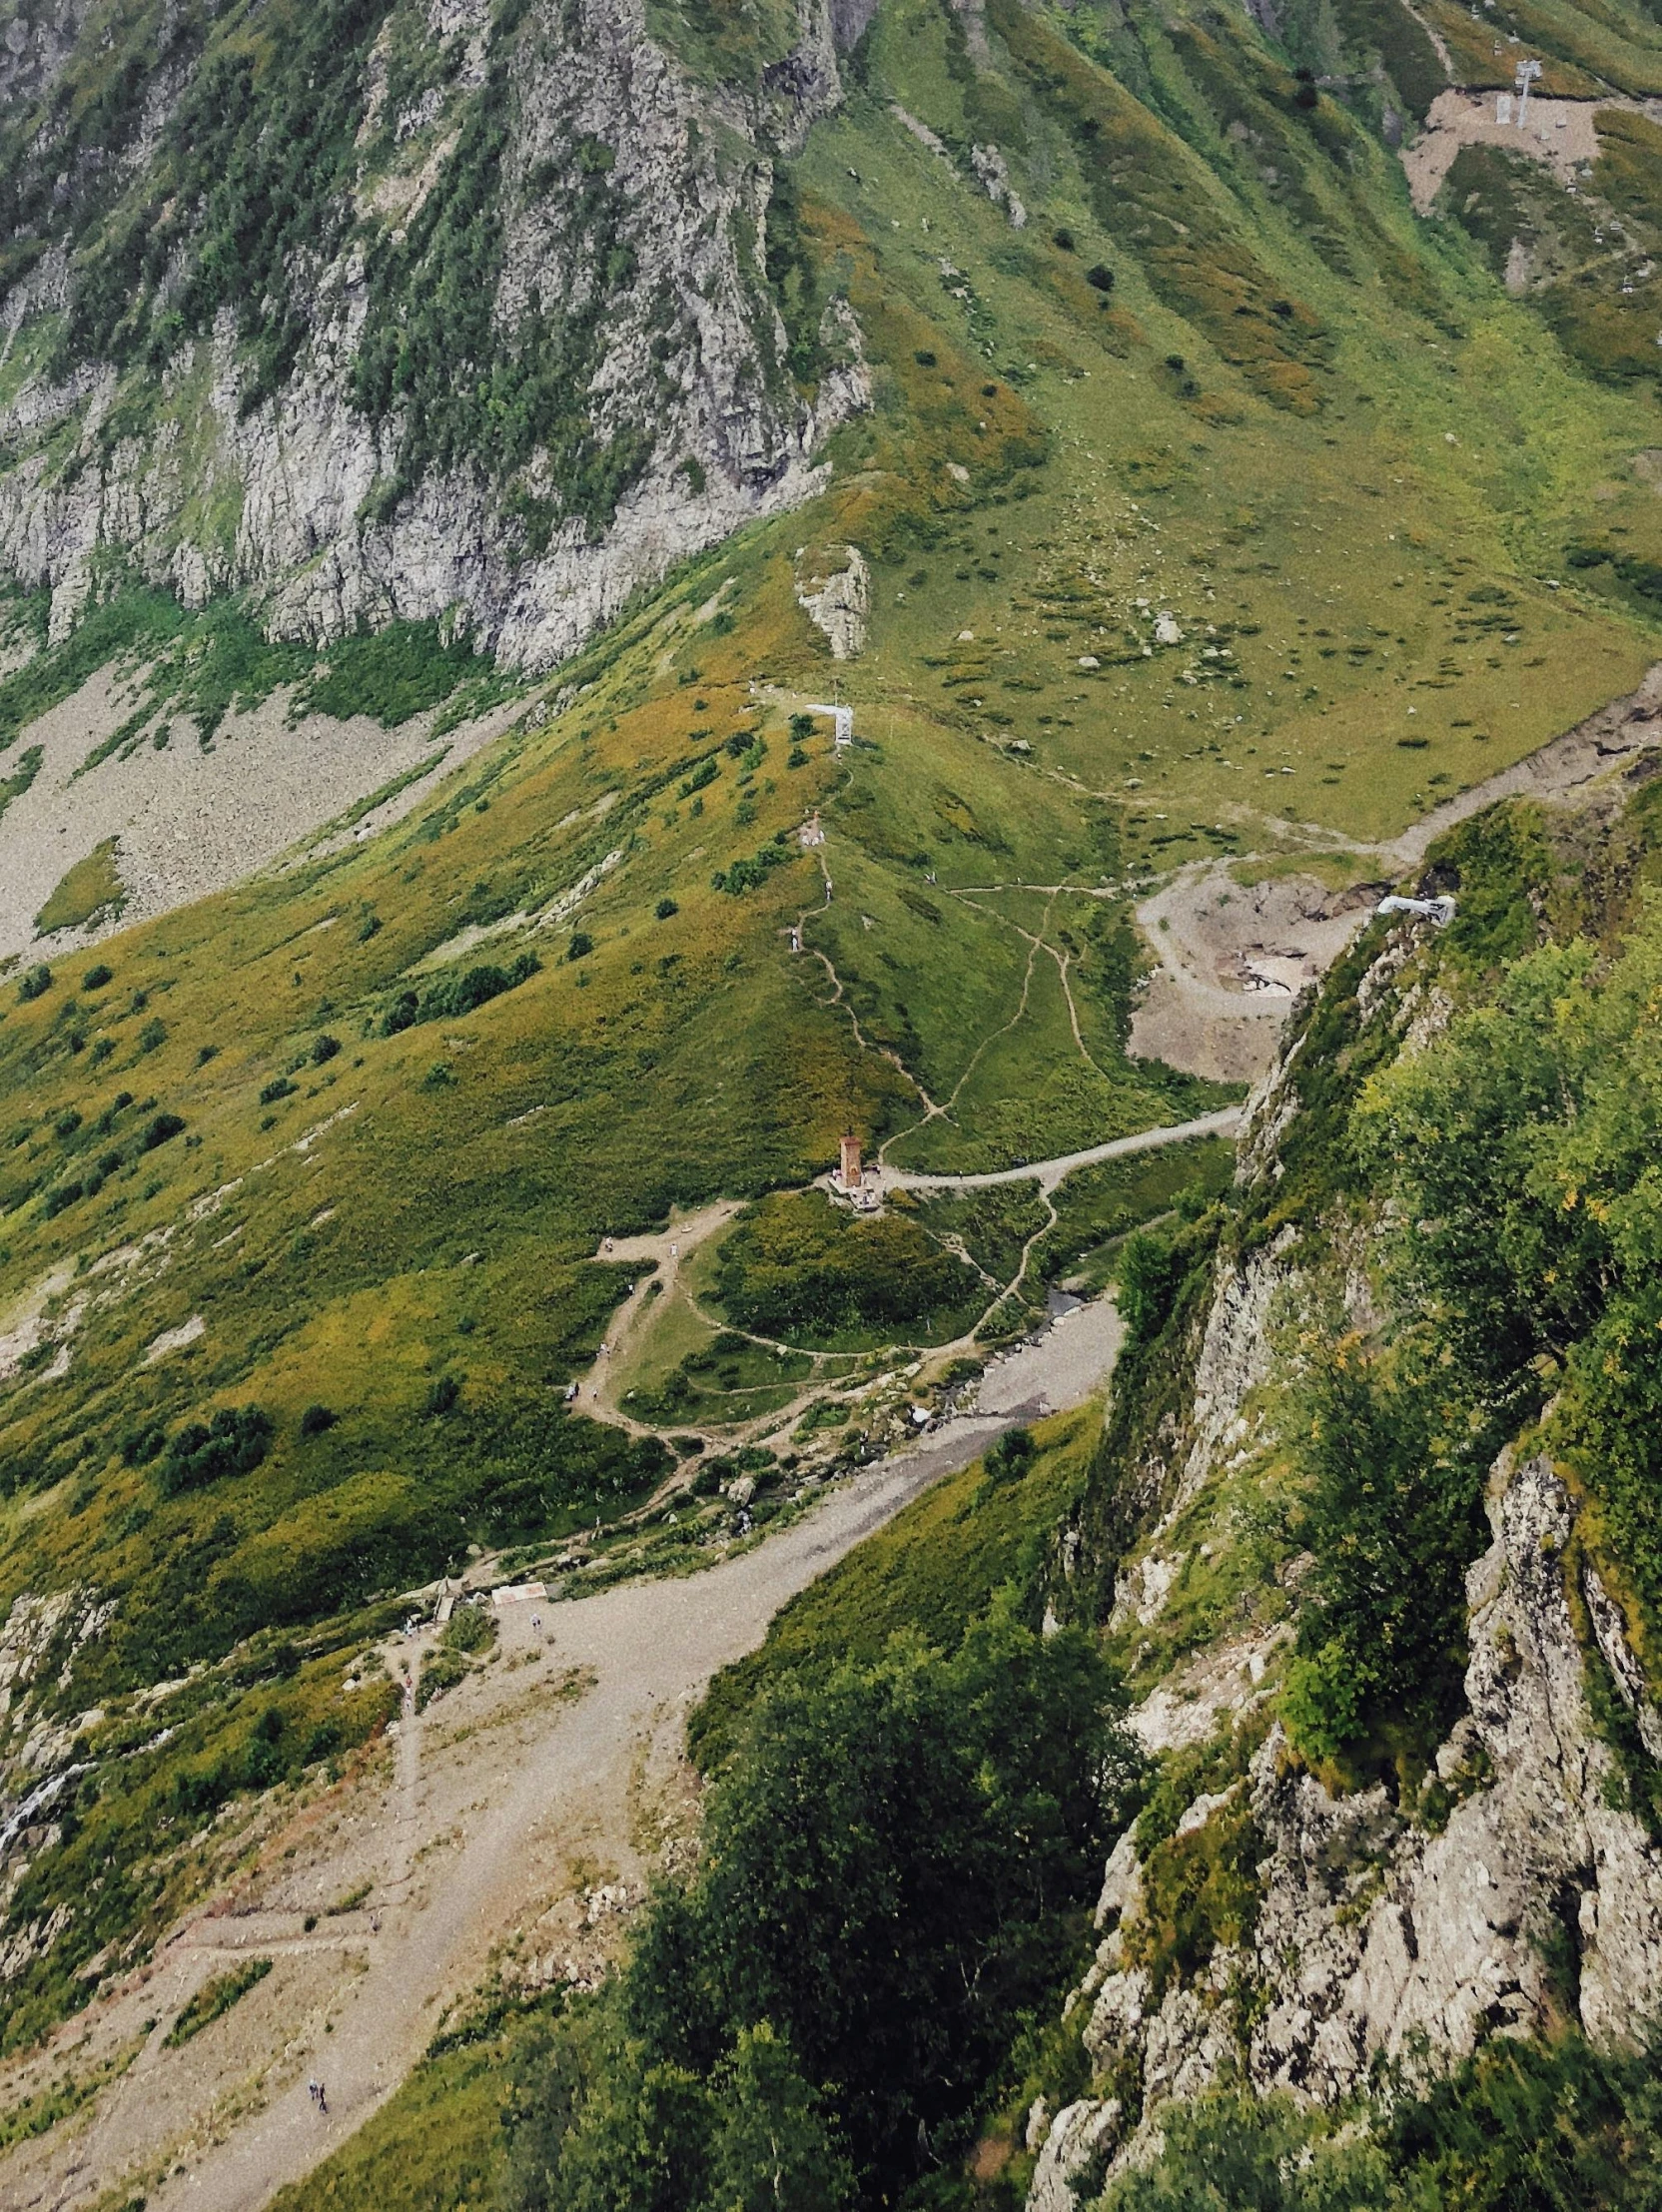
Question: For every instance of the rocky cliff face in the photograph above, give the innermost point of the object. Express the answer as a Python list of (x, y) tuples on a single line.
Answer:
[(1377, 1936), (606, 385), (1509, 1890)]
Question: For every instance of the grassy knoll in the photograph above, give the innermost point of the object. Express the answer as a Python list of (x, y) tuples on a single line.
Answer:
[(440, 2140), (90, 892)]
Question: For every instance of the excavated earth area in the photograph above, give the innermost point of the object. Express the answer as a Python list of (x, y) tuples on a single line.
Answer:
[(1232, 958), (1557, 133), (191, 820)]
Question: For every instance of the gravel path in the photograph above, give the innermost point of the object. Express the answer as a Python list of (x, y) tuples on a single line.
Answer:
[(1046, 1173)]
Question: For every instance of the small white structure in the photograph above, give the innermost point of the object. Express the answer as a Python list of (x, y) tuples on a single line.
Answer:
[(842, 723), (515, 1593), (1503, 106), (1441, 911)]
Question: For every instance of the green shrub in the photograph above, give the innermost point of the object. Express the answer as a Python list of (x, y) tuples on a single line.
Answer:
[(580, 947), (35, 981), (1198, 1891), (1517, 2127), (459, 995), (470, 1628), (751, 873), (324, 1049), (1394, 1516), (152, 1036), (141, 1445), (233, 1442), (666, 909), (316, 1419), (280, 1087), (800, 1268), (1150, 1272), (1012, 1457), (160, 1130), (97, 977)]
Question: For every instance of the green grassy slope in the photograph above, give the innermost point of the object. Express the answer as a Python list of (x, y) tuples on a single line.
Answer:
[(1315, 432)]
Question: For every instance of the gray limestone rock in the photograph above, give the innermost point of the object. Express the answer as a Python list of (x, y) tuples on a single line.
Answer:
[(1375, 1936), (286, 498)]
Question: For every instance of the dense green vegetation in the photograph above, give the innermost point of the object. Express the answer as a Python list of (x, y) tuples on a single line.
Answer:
[(1394, 1516), (933, 1571), (766, 2020)]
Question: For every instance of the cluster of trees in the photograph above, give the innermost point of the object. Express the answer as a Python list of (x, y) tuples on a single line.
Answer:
[(897, 1862), (751, 870)]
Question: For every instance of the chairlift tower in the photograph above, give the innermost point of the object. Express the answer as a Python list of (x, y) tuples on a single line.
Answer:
[(1528, 71)]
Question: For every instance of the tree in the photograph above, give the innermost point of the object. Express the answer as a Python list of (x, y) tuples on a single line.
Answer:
[(896, 1863), (775, 2150)]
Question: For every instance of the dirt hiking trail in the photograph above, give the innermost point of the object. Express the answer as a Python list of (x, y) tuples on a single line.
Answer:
[(511, 1806)]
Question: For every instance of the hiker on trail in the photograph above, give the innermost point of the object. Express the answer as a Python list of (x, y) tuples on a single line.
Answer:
[(322, 2100), (312, 2089)]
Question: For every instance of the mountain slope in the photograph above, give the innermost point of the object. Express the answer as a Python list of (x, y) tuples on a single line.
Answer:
[(1076, 392)]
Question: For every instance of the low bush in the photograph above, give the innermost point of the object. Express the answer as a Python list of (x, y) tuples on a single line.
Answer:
[(441, 1398), (456, 996), (35, 981), (233, 1442)]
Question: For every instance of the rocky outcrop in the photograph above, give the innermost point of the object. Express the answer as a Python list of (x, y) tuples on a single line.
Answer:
[(1536, 1897), (838, 602), (684, 374)]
